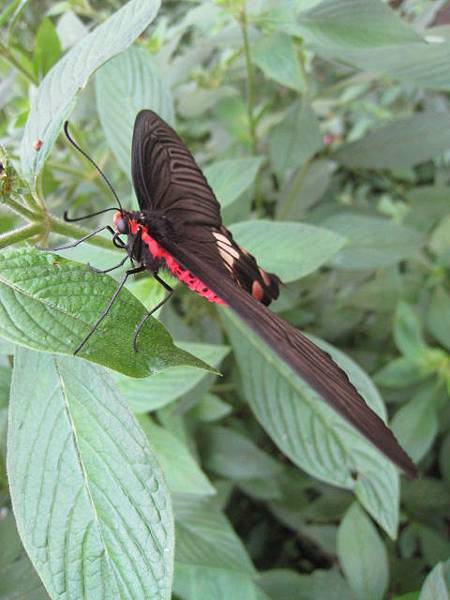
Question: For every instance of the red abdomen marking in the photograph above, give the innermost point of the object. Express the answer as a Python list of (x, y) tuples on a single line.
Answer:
[(177, 270)]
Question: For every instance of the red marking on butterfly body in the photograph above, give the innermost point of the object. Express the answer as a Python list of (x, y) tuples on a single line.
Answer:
[(177, 270)]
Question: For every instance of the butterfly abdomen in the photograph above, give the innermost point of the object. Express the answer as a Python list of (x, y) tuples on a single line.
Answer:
[(183, 275)]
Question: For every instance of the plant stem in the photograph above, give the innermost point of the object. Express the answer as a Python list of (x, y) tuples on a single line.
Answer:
[(251, 103), (250, 87), (9, 57), (19, 235), (21, 210)]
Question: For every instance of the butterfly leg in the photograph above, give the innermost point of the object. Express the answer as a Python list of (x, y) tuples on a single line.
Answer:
[(108, 306), (153, 310), (119, 243), (80, 241), (103, 271)]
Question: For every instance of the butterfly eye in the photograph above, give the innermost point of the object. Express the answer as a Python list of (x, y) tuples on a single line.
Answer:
[(120, 223), (122, 226)]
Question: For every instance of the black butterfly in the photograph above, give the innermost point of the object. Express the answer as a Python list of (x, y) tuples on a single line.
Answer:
[(179, 227)]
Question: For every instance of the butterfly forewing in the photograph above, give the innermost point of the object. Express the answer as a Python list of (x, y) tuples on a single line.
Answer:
[(166, 177)]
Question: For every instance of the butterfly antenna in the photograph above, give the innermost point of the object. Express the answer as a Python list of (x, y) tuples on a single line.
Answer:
[(92, 161), (73, 220)]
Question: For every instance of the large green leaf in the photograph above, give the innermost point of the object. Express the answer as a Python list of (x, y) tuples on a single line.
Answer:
[(230, 178), (305, 188), (437, 584), (294, 140), (291, 250), (415, 425), (421, 63), (282, 584), (372, 242), (363, 556), (50, 304), (400, 144), (162, 388), (91, 505), (438, 317), (308, 431), (276, 55), (124, 86), (193, 582), (58, 91), (205, 537), (354, 24), (47, 48), (18, 579), (182, 473), (407, 331), (372, 37), (233, 456)]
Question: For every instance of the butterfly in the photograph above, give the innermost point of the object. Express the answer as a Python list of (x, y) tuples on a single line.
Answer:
[(179, 227)]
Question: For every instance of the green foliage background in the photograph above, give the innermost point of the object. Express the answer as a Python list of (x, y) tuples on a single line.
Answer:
[(324, 130)]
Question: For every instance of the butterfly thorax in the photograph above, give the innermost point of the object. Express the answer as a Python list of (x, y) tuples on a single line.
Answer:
[(147, 231)]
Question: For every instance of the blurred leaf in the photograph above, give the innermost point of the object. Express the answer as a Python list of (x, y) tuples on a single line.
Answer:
[(230, 178), (408, 331), (372, 242), (5, 381), (440, 238), (81, 470), (426, 496), (70, 29), (354, 24), (408, 596), (428, 204), (47, 48), (276, 55), (435, 547), (438, 317), (444, 463), (194, 582), (306, 188), (232, 113), (283, 584), (399, 373), (182, 473), (291, 250), (399, 145), (308, 431), (210, 408), (18, 579), (144, 395), (415, 425), (437, 584), (294, 140), (420, 63), (50, 304), (234, 456), (363, 556), (58, 91), (124, 86), (205, 538)]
